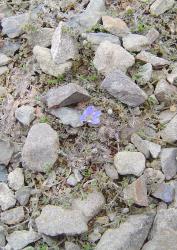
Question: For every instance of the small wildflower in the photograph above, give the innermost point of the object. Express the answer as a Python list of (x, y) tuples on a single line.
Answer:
[(91, 115)]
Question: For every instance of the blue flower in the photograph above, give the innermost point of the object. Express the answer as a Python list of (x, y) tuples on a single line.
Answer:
[(91, 115)]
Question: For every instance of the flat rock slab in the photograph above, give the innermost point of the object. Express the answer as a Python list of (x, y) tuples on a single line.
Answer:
[(164, 192), (124, 89), (13, 216), (55, 220), (115, 26), (168, 158), (110, 57), (169, 133), (131, 235), (7, 198), (135, 42), (161, 6), (20, 239), (64, 45), (156, 61), (136, 192), (6, 150), (91, 205), (46, 63), (40, 150), (129, 163), (66, 95)]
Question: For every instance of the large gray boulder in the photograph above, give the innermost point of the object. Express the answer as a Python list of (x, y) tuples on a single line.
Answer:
[(124, 89), (130, 235), (40, 150)]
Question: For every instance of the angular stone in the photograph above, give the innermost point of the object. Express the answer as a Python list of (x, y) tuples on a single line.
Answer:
[(13, 216), (3, 70), (111, 172), (124, 89), (136, 192), (3, 174), (169, 162), (16, 179), (13, 25), (46, 63), (115, 26), (164, 91), (153, 176), (66, 95), (64, 46), (156, 62), (25, 114), (9, 48), (110, 56), (135, 42), (40, 150), (4, 60), (96, 38), (68, 116), (41, 37), (20, 239), (161, 6), (23, 195), (7, 198), (169, 133), (6, 150), (164, 192), (131, 234), (166, 116), (129, 163), (152, 35), (55, 220), (91, 205), (144, 74)]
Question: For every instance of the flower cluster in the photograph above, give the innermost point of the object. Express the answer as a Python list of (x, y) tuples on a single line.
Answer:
[(91, 115)]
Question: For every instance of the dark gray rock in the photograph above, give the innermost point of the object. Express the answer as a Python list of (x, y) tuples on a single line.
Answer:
[(169, 162), (40, 150), (3, 174), (164, 192), (131, 234), (55, 220), (124, 89), (66, 95)]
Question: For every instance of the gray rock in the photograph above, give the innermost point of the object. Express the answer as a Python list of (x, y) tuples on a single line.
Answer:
[(4, 60), (115, 26), (68, 116), (40, 151), (110, 57), (20, 239), (9, 48), (3, 91), (144, 74), (111, 172), (55, 220), (91, 205), (2, 237), (164, 192), (46, 63), (161, 6), (169, 162), (167, 239), (66, 95), (72, 181), (3, 173), (136, 192), (16, 179), (64, 45), (23, 195), (41, 37), (3, 70), (166, 116), (172, 77), (164, 92), (135, 42), (124, 89), (71, 246), (130, 235), (96, 38), (153, 176), (7, 198), (25, 114), (13, 216), (169, 133), (156, 62), (152, 35), (129, 163), (6, 150), (13, 25)]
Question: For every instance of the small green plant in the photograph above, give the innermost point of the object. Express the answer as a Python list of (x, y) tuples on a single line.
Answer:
[(87, 173), (97, 28), (44, 119), (87, 246), (43, 247), (129, 12), (59, 79), (29, 28)]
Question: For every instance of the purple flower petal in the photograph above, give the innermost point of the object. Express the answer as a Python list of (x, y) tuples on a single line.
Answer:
[(91, 115)]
